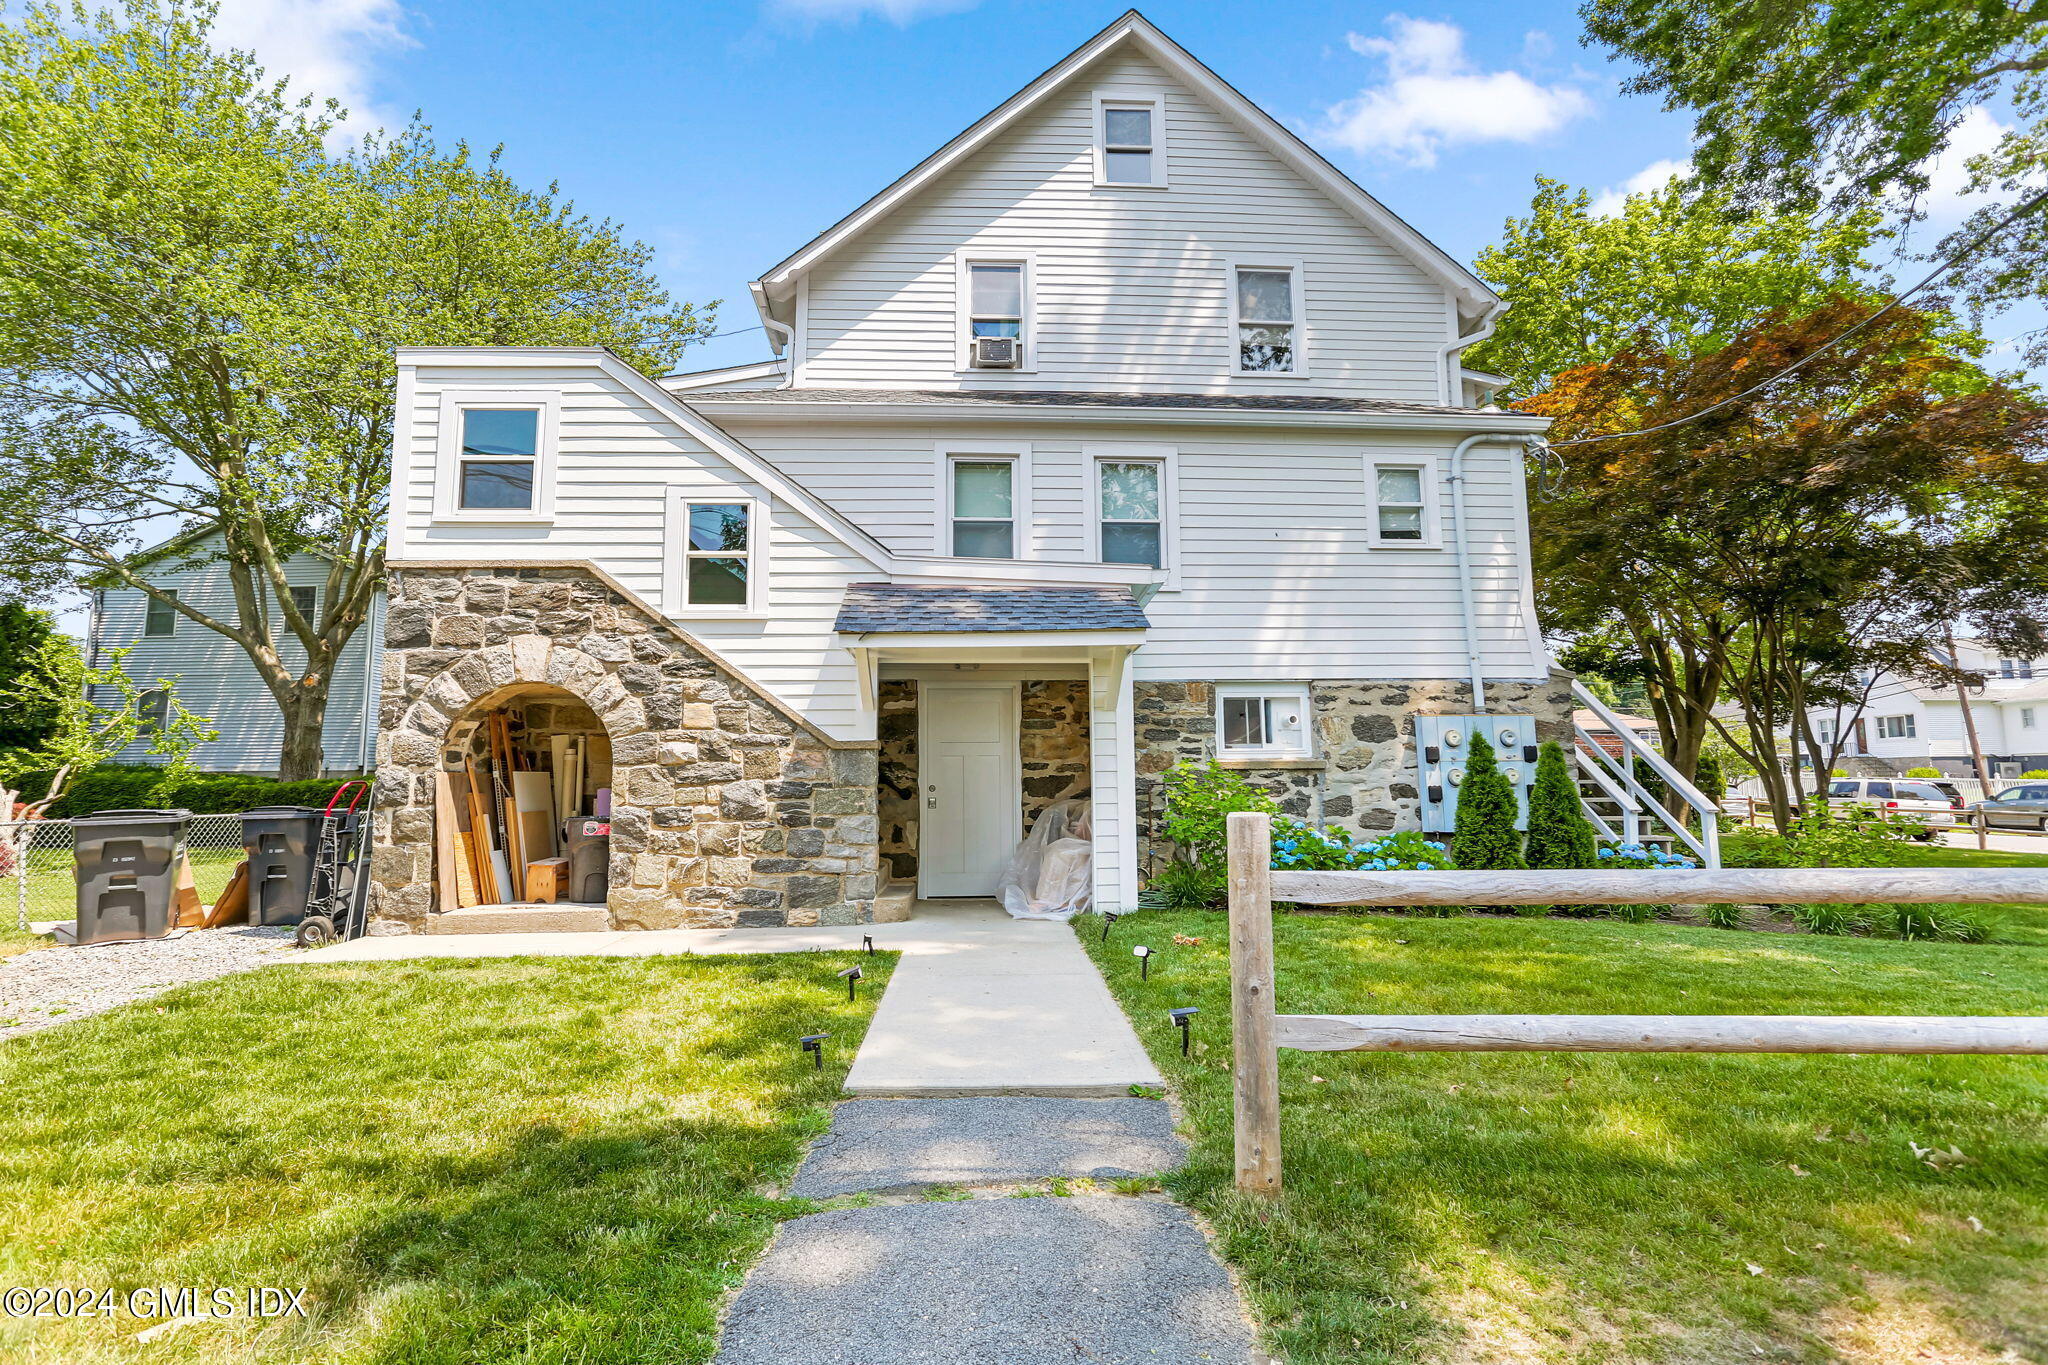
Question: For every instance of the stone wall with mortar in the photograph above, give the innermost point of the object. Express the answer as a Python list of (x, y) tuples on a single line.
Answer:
[(726, 808), (1363, 774), (1052, 742)]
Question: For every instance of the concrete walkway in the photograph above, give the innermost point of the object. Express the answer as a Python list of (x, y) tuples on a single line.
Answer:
[(980, 1275), (979, 1003)]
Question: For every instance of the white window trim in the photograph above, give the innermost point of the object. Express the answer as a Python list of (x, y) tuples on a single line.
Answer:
[(1131, 97), (150, 607), (2027, 718), (963, 307), (674, 568), (1093, 455), (448, 455), (1299, 293), (1905, 729), (1432, 510), (1022, 540), (1294, 691)]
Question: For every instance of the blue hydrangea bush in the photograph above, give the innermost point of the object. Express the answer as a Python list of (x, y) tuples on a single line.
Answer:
[(1623, 857), (1302, 847)]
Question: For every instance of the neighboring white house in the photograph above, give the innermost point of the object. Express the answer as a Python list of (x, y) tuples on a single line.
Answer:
[(1907, 724), (213, 676), (1122, 429)]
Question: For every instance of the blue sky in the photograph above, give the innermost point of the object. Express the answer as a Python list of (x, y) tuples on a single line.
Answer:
[(726, 133)]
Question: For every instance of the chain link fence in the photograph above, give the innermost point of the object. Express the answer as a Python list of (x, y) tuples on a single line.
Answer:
[(38, 870)]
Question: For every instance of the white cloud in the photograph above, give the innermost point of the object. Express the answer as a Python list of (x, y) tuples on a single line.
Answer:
[(1654, 176), (1435, 97), (1946, 202), (328, 48), (897, 12)]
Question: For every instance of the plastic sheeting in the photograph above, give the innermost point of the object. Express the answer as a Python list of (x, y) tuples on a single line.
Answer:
[(1052, 873)]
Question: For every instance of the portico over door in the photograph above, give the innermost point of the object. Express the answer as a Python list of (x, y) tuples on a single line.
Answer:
[(970, 786)]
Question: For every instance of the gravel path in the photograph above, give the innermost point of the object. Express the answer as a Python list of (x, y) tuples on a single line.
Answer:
[(49, 986)]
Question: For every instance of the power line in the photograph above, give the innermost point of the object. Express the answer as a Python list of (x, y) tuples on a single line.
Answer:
[(736, 332), (1954, 260)]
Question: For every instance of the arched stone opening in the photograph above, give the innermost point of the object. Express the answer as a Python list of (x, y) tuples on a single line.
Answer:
[(725, 809)]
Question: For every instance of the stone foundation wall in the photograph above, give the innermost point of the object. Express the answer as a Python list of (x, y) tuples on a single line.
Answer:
[(1363, 775), (726, 808), (1052, 742)]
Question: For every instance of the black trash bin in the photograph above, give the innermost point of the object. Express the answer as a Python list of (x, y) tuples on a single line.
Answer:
[(127, 873), (281, 842), (587, 842)]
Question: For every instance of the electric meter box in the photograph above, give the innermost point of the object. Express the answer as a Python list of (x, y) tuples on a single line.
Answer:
[(1442, 744)]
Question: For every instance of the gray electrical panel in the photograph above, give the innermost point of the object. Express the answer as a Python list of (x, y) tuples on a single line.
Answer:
[(1441, 746)]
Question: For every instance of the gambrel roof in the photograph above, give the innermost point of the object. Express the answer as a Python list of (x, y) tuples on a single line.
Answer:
[(773, 292)]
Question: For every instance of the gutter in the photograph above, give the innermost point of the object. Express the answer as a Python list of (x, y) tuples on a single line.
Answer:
[(1499, 424)]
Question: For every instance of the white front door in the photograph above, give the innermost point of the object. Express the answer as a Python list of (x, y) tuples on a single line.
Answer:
[(970, 787)]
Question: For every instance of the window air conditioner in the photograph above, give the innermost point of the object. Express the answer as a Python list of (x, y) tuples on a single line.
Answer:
[(995, 353)]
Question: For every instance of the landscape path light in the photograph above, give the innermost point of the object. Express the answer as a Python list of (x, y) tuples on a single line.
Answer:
[(1144, 956), (814, 1043), (852, 974), (1180, 1019)]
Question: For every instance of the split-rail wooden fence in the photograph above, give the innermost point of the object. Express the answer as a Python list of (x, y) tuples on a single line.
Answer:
[(1259, 1030)]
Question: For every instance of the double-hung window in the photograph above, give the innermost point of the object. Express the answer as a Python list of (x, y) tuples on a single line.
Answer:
[(159, 617), (995, 308), (1129, 139), (718, 553), (1265, 317), (496, 461), (1402, 504), (1262, 722), (1132, 499), (2015, 668), (500, 448), (153, 710), (2026, 718), (1895, 727), (982, 493)]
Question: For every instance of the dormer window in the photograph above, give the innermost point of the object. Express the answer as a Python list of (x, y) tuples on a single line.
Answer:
[(1129, 139), (1265, 317)]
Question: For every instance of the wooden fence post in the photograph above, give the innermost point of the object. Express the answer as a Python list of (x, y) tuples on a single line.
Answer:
[(1255, 1050)]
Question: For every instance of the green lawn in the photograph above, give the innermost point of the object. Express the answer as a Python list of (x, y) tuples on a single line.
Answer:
[(2009, 923), (465, 1162), (1582, 1208)]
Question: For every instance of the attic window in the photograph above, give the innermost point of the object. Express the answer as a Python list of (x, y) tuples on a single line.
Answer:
[(1129, 140), (500, 447), (160, 617), (495, 455)]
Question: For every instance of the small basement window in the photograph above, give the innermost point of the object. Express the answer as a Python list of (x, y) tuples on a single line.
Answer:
[(1262, 722)]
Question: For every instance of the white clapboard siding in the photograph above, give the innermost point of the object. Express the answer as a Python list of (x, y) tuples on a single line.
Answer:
[(1131, 287), (616, 458), (1276, 579), (216, 680)]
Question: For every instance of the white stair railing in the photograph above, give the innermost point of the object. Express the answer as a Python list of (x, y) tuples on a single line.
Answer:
[(1612, 773)]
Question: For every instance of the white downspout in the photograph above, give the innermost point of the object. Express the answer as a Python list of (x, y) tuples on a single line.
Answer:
[(1447, 354), (1468, 606)]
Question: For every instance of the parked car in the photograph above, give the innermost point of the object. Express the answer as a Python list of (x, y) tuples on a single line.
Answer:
[(2023, 807), (1912, 800)]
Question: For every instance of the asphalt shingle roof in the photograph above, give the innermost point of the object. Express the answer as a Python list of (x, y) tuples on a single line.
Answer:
[(1246, 402), (932, 608)]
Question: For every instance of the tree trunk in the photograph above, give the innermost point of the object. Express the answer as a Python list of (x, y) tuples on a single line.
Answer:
[(1969, 720), (303, 757)]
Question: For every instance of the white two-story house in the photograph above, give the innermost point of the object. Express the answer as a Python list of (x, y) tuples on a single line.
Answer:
[(1122, 429), (1905, 723)]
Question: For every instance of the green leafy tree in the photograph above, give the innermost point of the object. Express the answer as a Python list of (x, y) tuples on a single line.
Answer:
[(1834, 523), (24, 637), (1677, 270), (98, 712), (199, 309), (1560, 835), (1850, 101), (1484, 834)]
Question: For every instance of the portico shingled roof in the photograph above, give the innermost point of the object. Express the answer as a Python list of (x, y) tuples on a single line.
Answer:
[(936, 608)]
